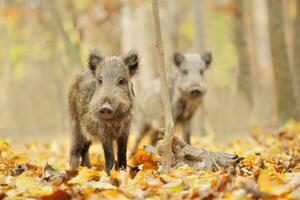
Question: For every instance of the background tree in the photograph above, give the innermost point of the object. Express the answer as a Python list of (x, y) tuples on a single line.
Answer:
[(199, 123), (296, 63), (199, 25), (244, 73), (282, 71)]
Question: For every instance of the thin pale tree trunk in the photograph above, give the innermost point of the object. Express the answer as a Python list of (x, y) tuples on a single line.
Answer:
[(126, 27), (198, 9), (169, 125), (199, 24), (296, 66), (282, 70)]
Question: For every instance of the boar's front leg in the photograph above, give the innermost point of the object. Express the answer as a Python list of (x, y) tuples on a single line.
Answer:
[(107, 144), (187, 131), (76, 142), (122, 149), (85, 154)]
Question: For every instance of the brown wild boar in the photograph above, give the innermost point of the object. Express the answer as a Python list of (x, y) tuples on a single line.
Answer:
[(187, 86), (100, 104)]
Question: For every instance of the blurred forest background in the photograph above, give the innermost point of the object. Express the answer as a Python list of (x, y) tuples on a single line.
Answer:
[(254, 79)]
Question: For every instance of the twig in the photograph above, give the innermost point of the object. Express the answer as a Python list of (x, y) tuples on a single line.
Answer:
[(169, 125)]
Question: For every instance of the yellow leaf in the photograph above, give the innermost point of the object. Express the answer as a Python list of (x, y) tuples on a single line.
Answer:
[(26, 180), (2, 178), (85, 175), (264, 182), (40, 190), (99, 185), (167, 178), (4, 145), (175, 186)]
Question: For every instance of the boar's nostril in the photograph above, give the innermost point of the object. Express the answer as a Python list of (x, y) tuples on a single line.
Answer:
[(106, 112), (196, 92)]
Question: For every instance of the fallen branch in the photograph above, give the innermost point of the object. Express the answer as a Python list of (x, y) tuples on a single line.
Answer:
[(198, 158)]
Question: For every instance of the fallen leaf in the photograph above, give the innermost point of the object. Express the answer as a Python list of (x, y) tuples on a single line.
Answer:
[(57, 195)]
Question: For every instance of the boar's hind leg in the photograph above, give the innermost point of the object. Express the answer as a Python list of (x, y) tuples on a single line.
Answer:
[(154, 137), (141, 132), (76, 144), (85, 158), (187, 132), (122, 149), (107, 145)]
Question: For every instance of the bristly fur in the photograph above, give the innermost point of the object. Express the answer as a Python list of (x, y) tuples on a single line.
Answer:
[(93, 60), (132, 60), (98, 86), (187, 86)]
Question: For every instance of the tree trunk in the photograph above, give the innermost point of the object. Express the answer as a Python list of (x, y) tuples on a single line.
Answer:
[(282, 70), (126, 28), (199, 25), (169, 125), (71, 49), (198, 124), (170, 28), (296, 67), (142, 24), (262, 75), (244, 75)]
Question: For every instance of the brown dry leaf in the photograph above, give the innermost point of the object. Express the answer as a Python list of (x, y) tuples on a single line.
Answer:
[(145, 158), (57, 195), (270, 170)]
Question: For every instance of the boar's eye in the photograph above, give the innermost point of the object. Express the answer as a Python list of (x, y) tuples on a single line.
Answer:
[(122, 81)]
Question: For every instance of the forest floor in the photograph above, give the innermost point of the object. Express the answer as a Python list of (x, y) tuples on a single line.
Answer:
[(270, 169)]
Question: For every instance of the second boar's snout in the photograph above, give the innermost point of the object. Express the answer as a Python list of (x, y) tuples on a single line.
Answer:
[(106, 111), (196, 92)]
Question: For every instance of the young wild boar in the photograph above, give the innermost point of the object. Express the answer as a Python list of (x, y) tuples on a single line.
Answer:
[(100, 103), (187, 87)]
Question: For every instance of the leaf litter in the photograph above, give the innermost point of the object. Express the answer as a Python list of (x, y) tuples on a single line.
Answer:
[(269, 169)]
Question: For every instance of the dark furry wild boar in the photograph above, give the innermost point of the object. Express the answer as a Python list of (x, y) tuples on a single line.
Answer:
[(100, 103), (187, 86)]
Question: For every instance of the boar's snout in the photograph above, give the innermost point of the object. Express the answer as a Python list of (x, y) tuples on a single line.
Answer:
[(106, 112), (197, 92)]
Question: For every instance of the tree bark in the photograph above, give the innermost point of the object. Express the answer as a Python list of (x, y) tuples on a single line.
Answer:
[(198, 158), (199, 126), (126, 27), (244, 75), (143, 43), (296, 65), (281, 66), (169, 125), (71, 48), (199, 25)]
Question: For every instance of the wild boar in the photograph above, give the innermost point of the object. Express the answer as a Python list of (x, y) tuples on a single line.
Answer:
[(187, 86), (100, 104)]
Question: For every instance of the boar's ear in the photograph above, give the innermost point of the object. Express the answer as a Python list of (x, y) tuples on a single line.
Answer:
[(178, 58), (94, 60), (131, 60), (207, 58)]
